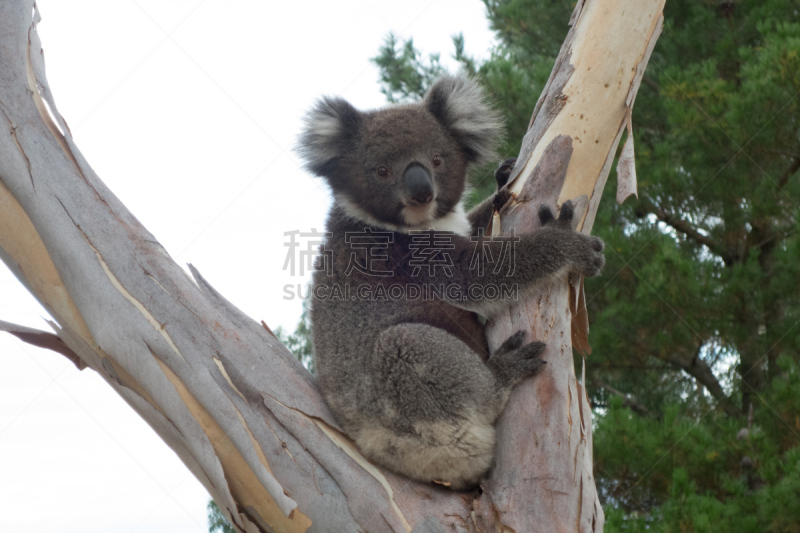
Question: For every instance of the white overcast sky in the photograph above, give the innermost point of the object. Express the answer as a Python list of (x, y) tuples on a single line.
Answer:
[(188, 110)]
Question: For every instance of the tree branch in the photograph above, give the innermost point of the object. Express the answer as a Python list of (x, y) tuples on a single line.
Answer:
[(646, 207), (784, 178), (628, 400), (698, 369), (651, 82)]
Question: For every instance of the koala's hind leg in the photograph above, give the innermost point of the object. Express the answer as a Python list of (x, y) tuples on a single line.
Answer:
[(513, 361), (435, 407), (436, 402)]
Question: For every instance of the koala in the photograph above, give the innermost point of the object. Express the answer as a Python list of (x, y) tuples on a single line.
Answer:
[(412, 379)]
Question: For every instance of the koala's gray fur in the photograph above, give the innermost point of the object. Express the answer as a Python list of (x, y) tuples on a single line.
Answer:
[(412, 381)]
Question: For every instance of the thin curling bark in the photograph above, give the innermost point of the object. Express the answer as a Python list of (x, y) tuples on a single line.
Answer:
[(245, 417)]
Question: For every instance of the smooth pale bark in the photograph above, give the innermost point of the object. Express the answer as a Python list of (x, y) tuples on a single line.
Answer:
[(245, 417)]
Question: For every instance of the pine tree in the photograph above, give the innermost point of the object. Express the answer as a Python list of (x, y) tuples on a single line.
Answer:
[(696, 322), (217, 523)]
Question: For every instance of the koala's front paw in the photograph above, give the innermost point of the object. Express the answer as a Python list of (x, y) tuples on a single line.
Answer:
[(588, 256), (501, 176), (584, 252), (503, 172)]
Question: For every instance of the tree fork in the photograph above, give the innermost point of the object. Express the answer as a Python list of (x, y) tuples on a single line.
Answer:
[(245, 417)]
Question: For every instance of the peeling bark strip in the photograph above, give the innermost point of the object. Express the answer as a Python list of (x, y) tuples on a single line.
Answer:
[(238, 409), (42, 339)]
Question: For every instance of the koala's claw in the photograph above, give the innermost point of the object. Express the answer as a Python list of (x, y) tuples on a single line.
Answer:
[(501, 199), (565, 216), (512, 343), (545, 215), (530, 358), (532, 350), (514, 361), (503, 172), (591, 260), (501, 175), (585, 251)]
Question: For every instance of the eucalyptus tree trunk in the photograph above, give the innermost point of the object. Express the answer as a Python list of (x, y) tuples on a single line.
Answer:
[(240, 411)]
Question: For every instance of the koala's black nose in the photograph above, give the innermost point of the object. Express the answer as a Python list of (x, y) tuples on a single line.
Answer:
[(418, 183)]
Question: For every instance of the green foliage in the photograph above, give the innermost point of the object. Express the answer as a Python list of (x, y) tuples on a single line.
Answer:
[(707, 473), (217, 523), (299, 342), (404, 74), (697, 317)]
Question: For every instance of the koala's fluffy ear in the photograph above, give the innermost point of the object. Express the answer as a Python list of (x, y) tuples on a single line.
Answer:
[(459, 103), (329, 126)]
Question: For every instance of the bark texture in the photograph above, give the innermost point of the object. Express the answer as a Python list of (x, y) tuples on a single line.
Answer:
[(245, 417)]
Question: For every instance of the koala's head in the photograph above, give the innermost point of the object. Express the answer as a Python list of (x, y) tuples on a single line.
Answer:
[(405, 166)]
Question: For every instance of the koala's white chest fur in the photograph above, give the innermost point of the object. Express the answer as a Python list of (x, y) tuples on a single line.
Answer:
[(455, 221)]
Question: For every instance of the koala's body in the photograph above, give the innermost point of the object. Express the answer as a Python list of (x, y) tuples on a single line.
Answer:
[(412, 380)]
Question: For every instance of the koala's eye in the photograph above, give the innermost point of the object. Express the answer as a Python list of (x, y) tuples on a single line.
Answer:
[(437, 160), (383, 172)]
